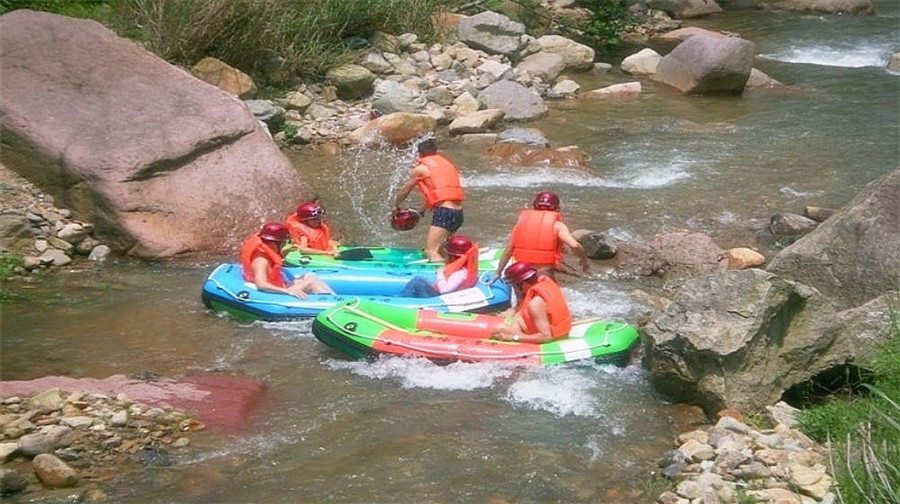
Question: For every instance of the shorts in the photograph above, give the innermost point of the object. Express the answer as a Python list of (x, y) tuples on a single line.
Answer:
[(447, 218)]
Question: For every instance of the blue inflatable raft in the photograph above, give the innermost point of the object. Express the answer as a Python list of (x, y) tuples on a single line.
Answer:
[(225, 290)]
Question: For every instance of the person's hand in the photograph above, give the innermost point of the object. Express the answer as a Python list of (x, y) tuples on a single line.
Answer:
[(296, 292)]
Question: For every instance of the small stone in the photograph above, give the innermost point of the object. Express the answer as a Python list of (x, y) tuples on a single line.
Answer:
[(53, 472)]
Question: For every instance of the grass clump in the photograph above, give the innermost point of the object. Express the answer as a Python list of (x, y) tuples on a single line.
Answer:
[(864, 432), (275, 41)]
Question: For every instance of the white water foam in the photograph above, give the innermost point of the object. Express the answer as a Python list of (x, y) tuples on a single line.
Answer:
[(633, 175), (790, 191), (423, 373), (848, 56), (596, 299)]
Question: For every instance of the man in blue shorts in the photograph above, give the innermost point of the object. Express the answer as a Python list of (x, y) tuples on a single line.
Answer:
[(438, 179)]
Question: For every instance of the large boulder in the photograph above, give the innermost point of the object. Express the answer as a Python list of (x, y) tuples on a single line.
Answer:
[(162, 163), (853, 256), (708, 65), (575, 56), (514, 99), (491, 32), (741, 338), (684, 9)]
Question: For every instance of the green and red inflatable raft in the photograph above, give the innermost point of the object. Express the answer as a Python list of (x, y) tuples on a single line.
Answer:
[(363, 329)]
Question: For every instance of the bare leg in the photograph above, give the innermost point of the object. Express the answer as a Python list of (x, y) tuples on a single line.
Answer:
[(311, 283), (433, 240)]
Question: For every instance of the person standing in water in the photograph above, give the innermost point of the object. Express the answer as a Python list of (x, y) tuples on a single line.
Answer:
[(438, 180)]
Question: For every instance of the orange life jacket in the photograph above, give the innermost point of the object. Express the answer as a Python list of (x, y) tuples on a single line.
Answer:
[(255, 247), (534, 239), (469, 261), (443, 182), (557, 308), (318, 238)]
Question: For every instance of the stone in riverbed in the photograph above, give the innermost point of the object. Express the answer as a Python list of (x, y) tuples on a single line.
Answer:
[(53, 472)]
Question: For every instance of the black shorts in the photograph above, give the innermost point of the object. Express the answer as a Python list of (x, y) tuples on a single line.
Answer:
[(447, 218)]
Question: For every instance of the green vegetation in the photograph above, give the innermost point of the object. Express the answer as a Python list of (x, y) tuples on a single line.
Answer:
[(100, 10), (865, 432), (272, 40), (278, 41), (8, 265)]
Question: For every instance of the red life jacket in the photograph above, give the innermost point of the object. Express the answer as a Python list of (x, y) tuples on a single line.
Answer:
[(469, 261), (318, 238), (443, 182), (255, 247), (534, 238), (557, 308)]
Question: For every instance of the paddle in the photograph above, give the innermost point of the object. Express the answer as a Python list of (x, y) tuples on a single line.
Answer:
[(354, 254)]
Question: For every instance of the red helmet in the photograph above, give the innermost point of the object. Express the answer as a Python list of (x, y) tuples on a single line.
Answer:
[(310, 210), (457, 245), (404, 219), (275, 231), (519, 272), (546, 200)]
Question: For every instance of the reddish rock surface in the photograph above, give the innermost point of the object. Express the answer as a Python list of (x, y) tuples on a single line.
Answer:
[(219, 401)]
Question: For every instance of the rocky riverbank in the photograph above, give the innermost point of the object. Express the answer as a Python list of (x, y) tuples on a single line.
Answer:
[(69, 443), (43, 235), (732, 461)]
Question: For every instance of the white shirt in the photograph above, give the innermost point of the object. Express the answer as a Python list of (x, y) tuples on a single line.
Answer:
[(445, 285)]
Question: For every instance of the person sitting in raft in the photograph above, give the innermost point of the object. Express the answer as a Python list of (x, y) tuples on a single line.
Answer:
[(541, 313), (539, 236), (309, 233), (438, 180), (261, 263), (460, 272)]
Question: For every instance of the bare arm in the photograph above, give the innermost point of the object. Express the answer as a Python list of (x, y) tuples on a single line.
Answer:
[(418, 172), (565, 236), (303, 246), (504, 259), (515, 331), (260, 267)]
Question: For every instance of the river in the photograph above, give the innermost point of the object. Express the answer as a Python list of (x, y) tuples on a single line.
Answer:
[(407, 430)]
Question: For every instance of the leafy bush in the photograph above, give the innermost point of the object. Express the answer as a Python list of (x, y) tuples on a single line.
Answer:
[(610, 19)]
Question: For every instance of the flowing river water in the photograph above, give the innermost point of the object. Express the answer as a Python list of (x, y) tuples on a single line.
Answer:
[(407, 430)]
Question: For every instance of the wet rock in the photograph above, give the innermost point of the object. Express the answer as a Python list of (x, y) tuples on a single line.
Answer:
[(708, 65), (790, 224), (154, 456), (597, 245), (530, 136), (12, 481), (53, 472)]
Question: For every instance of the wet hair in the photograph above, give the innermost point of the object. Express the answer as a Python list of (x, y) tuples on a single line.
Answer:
[(427, 146)]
